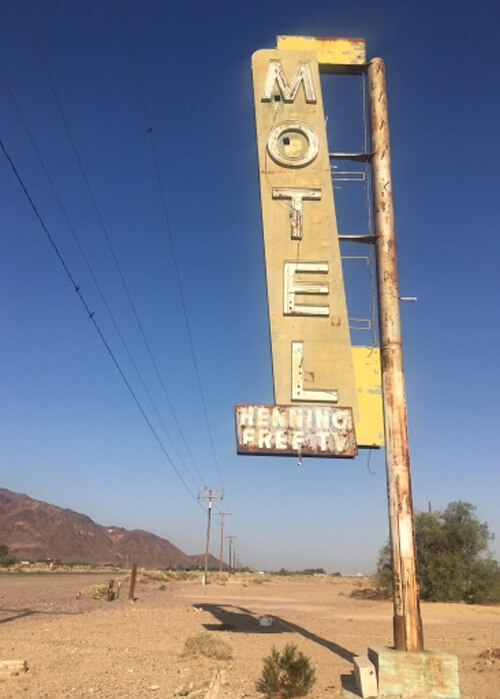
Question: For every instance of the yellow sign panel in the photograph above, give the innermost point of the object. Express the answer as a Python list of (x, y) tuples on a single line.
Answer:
[(310, 340), (330, 51), (370, 427)]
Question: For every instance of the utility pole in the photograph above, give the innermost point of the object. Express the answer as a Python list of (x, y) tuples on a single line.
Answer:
[(209, 494), (407, 621), (222, 515), (230, 539)]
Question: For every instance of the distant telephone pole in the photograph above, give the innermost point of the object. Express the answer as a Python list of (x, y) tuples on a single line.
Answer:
[(209, 494), (230, 539), (221, 555)]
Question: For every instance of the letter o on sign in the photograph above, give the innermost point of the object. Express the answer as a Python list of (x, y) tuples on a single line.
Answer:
[(293, 144)]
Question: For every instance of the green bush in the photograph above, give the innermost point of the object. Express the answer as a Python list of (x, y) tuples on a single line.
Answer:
[(453, 563), (286, 674), (6, 558)]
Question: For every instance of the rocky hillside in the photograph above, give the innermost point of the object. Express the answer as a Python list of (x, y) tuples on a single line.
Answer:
[(35, 531)]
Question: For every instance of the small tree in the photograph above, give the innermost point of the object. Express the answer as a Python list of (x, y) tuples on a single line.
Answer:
[(6, 558), (453, 563), (286, 674)]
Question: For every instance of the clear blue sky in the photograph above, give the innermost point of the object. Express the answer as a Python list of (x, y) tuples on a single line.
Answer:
[(70, 432)]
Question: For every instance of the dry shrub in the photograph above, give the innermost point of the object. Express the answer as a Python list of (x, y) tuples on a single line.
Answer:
[(179, 575), (368, 593), (95, 592), (207, 645), (147, 576), (373, 591), (490, 654)]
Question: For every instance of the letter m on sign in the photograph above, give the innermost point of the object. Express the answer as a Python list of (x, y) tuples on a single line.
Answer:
[(276, 74)]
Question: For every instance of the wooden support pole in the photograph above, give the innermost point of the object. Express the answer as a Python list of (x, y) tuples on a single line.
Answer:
[(408, 633), (133, 578)]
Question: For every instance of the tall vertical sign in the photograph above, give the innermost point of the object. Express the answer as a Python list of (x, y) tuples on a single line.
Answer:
[(310, 342)]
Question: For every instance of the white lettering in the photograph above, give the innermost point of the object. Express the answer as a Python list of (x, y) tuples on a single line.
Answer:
[(246, 415), (292, 287), (298, 390), (340, 441), (296, 418), (281, 442), (296, 197), (262, 417), (279, 418), (248, 436), (264, 439), (342, 420), (293, 144), (276, 74), (297, 440), (322, 419), (323, 440)]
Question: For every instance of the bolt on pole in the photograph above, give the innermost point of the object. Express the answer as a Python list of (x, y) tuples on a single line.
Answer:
[(408, 632)]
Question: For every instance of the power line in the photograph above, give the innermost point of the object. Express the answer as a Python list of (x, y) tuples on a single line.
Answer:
[(149, 131), (91, 271), (103, 227), (91, 316)]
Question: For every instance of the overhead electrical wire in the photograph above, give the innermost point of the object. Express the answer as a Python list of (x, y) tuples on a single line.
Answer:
[(90, 270), (104, 228), (91, 316), (149, 131)]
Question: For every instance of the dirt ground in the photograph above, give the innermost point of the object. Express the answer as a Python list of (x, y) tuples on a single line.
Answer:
[(94, 648)]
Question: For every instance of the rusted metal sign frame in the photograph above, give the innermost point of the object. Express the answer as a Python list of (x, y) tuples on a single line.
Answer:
[(295, 430)]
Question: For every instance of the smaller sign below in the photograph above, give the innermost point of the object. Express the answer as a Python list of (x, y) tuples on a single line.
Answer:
[(295, 430)]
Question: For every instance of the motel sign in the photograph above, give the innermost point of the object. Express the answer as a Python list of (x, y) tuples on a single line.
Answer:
[(312, 360), (310, 342), (324, 388)]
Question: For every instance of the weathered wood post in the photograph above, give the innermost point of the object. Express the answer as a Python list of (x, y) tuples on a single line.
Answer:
[(408, 633), (133, 578)]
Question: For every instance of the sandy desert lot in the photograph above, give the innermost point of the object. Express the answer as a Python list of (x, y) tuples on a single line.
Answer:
[(94, 648)]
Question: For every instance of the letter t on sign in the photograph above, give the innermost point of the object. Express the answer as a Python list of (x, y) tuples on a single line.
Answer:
[(297, 196)]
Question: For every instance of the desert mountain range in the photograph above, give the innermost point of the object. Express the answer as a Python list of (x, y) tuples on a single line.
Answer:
[(35, 531)]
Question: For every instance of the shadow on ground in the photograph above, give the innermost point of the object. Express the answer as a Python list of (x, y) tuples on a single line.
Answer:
[(241, 620), (20, 613)]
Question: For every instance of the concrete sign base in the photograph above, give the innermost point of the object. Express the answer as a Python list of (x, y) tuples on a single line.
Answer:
[(423, 674)]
